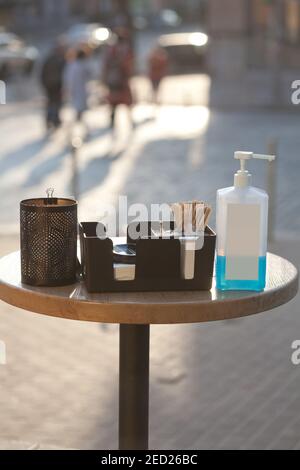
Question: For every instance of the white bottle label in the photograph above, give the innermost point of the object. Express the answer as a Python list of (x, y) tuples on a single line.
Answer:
[(242, 248)]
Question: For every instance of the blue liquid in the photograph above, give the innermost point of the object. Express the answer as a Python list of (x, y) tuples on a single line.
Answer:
[(255, 285)]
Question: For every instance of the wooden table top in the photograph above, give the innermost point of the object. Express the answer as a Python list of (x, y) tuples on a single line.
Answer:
[(74, 302)]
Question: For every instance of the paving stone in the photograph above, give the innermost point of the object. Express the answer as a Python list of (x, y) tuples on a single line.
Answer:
[(223, 385)]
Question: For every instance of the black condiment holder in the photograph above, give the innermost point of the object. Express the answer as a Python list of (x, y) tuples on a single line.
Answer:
[(158, 262)]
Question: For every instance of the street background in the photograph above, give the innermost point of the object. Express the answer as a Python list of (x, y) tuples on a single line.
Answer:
[(224, 385)]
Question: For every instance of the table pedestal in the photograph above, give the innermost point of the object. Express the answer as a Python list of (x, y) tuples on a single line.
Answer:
[(134, 387), (144, 308)]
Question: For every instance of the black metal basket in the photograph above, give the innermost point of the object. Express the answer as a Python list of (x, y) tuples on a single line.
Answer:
[(48, 241)]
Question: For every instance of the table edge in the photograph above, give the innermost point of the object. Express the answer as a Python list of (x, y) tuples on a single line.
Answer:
[(156, 312)]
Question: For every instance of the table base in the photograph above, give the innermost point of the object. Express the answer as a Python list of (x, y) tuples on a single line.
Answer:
[(134, 387)]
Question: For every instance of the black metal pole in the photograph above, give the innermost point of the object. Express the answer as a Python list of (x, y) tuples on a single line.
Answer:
[(76, 145), (134, 387)]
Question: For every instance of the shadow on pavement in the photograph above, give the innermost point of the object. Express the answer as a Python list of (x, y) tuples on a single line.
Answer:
[(97, 170), (23, 154), (45, 168)]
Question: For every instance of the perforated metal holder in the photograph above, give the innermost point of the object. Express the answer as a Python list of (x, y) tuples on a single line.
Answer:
[(48, 229)]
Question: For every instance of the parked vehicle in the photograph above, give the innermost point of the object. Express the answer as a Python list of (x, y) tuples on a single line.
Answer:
[(166, 19), (186, 51), (15, 55), (93, 35)]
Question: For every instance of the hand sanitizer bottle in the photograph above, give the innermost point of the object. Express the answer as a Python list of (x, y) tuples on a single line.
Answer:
[(242, 231)]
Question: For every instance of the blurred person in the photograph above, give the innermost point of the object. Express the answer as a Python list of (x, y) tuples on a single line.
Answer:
[(52, 82), (157, 69), (77, 75), (117, 71)]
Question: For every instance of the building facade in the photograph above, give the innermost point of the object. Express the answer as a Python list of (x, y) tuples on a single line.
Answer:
[(27, 14), (255, 49)]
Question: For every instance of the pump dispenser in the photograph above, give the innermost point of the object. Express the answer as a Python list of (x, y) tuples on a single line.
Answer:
[(242, 228), (243, 178)]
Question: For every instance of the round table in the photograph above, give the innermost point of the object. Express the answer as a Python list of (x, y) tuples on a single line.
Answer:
[(135, 312)]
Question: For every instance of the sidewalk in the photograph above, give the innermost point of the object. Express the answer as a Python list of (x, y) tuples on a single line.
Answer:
[(20, 445), (175, 153), (224, 385)]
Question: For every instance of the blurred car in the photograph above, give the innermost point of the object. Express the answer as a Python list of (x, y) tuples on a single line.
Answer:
[(93, 35), (165, 19), (15, 55), (186, 51)]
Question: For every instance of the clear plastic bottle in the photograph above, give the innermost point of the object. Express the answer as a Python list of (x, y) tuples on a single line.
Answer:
[(242, 229)]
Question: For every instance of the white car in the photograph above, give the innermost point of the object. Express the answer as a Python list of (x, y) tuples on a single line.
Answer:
[(93, 35), (15, 55), (186, 51)]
